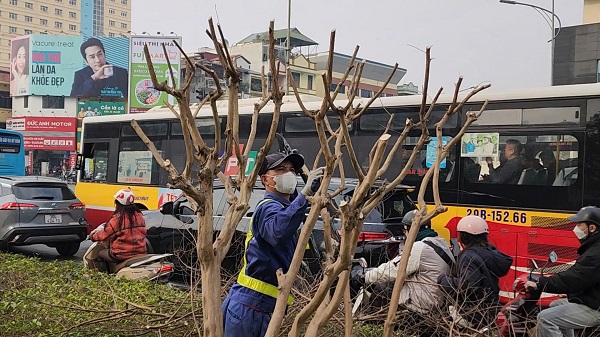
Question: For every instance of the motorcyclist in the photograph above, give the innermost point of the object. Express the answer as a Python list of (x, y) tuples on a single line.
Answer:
[(473, 282), (429, 257), (270, 245), (125, 232), (581, 283)]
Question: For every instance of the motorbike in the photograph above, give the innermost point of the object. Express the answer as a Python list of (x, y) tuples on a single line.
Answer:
[(147, 267), (517, 316)]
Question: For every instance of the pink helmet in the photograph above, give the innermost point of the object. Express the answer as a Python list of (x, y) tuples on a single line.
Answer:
[(125, 197), (472, 224)]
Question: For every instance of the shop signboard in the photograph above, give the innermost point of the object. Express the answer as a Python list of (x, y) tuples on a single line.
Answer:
[(143, 96), (46, 133)]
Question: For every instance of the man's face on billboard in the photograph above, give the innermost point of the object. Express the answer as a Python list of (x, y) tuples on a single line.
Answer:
[(94, 57)]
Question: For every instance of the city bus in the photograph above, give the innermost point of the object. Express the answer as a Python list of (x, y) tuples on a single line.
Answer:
[(558, 129), (12, 153)]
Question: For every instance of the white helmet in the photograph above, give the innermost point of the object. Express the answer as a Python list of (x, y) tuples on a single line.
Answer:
[(125, 197), (472, 224)]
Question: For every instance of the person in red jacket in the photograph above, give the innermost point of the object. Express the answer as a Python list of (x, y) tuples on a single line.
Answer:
[(125, 231)]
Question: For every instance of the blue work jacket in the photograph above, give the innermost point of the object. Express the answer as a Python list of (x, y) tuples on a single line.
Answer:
[(274, 227)]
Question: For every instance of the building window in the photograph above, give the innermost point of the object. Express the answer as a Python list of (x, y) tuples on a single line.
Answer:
[(44, 9), (111, 23), (111, 34), (73, 15), (25, 101), (28, 31), (309, 83), (29, 5), (53, 102), (58, 0), (124, 2), (598, 78), (111, 11), (333, 86), (124, 25), (12, 16), (365, 93), (58, 11), (12, 30), (58, 24), (28, 18), (72, 27), (43, 22), (13, 2), (296, 78), (73, 2), (124, 14)]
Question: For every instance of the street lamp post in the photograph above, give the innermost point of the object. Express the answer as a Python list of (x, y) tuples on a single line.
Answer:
[(552, 18)]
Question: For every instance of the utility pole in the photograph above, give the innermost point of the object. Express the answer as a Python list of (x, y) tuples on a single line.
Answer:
[(288, 48)]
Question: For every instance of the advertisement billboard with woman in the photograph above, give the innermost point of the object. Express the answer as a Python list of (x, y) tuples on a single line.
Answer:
[(19, 66)]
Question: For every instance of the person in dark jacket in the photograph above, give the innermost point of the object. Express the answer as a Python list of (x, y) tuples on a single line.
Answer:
[(510, 171), (100, 78), (581, 283), (270, 245), (474, 279)]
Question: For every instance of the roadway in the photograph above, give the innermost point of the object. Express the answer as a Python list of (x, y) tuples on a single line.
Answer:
[(46, 253)]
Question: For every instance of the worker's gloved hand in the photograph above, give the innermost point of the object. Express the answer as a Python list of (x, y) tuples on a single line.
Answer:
[(313, 182)]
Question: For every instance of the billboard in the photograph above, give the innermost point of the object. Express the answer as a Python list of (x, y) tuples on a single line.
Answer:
[(46, 133), (97, 108), (19, 66), (143, 96), (105, 61), (61, 65)]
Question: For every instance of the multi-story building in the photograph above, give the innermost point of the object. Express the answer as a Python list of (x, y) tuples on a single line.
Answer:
[(374, 75), (306, 67), (61, 17), (577, 49)]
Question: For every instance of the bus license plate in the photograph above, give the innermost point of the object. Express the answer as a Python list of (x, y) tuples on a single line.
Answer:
[(53, 218)]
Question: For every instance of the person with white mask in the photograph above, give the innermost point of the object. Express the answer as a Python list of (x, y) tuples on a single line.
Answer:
[(581, 283), (270, 244)]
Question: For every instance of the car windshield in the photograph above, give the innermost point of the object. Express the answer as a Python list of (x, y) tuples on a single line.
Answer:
[(37, 191)]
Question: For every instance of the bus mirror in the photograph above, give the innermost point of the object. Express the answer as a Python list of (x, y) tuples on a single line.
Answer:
[(167, 208), (79, 163)]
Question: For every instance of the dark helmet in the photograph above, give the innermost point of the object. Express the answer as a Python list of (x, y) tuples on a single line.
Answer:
[(408, 218), (587, 214)]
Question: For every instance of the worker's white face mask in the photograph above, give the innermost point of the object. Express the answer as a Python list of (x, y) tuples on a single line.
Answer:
[(579, 233), (285, 183)]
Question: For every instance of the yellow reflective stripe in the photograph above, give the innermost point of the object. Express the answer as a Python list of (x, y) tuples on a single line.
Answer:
[(251, 282)]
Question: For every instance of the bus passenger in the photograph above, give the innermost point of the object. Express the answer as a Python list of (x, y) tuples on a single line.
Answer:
[(510, 171), (270, 245), (581, 283), (473, 281), (429, 258)]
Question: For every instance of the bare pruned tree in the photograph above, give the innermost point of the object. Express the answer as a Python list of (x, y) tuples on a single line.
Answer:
[(209, 162), (366, 196)]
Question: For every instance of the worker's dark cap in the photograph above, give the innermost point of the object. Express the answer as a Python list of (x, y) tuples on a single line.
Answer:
[(275, 159)]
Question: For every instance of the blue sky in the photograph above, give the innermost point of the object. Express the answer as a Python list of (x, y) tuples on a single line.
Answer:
[(483, 40)]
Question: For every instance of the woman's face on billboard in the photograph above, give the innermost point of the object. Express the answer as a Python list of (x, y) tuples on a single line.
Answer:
[(21, 59)]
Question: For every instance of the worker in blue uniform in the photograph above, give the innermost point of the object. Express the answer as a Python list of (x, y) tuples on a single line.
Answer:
[(270, 245)]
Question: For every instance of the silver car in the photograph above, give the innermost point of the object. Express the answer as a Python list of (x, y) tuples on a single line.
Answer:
[(38, 210)]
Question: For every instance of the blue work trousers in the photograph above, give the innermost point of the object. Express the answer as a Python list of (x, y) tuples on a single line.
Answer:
[(241, 320)]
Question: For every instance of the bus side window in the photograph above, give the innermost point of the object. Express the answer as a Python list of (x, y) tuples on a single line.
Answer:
[(549, 160)]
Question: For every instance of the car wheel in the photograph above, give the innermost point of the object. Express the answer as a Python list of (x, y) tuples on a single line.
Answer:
[(68, 249)]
